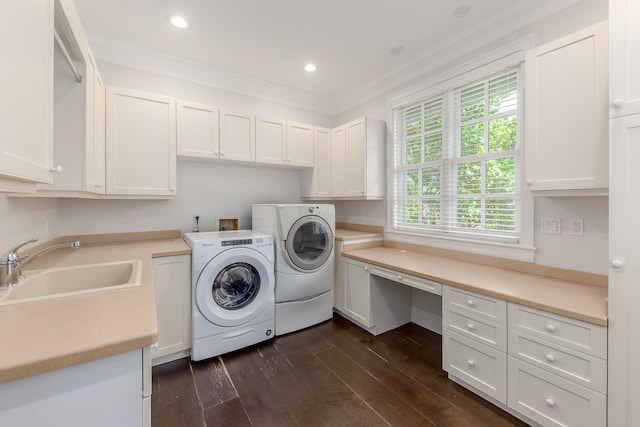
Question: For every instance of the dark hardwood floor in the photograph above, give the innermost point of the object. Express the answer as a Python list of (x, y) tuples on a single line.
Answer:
[(333, 374)]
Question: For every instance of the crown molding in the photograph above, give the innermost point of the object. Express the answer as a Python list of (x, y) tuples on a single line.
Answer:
[(111, 50)]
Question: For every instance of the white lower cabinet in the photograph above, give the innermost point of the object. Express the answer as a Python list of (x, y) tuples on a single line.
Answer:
[(557, 368), (102, 393), (357, 291), (474, 341), (172, 288)]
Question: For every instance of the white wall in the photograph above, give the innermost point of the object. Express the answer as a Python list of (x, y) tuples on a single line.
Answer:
[(25, 218), (214, 190)]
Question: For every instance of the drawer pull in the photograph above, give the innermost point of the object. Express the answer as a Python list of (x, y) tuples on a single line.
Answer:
[(471, 363), (366, 268), (470, 326), (470, 303), (550, 358), (399, 277), (550, 402), (551, 328)]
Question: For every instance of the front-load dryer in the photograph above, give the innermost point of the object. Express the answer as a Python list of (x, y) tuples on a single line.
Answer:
[(233, 286), (304, 243)]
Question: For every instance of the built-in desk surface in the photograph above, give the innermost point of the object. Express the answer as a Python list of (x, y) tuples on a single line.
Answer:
[(565, 297)]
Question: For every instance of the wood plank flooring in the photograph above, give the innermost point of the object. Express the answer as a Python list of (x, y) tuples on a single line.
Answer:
[(333, 374)]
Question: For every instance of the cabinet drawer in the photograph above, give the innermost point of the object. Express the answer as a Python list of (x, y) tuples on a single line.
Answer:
[(476, 364), (486, 332), (551, 400), (561, 330), (475, 305), (574, 365), (408, 279)]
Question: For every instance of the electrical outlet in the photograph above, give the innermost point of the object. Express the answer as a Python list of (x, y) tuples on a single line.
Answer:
[(576, 227), (550, 225)]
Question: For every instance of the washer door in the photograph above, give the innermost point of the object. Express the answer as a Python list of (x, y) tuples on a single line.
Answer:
[(309, 243), (235, 287)]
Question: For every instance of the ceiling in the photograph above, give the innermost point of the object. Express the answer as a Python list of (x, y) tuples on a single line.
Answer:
[(353, 43)]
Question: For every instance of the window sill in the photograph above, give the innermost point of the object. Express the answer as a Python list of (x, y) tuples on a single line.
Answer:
[(510, 251)]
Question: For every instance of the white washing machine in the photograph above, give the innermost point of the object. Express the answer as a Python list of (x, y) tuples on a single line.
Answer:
[(233, 287), (304, 243)]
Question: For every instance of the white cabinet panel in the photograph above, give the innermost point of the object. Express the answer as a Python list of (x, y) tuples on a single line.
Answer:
[(141, 143), (356, 158), (317, 181), (566, 130), (624, 22), (172, 288), (26, 76), (624, 271), (271, 141), (299, 142), (475, 305), (553, 401), (478, 365), (357, 288), (237, 136), (338, 163), (198, 129), (102, 393)]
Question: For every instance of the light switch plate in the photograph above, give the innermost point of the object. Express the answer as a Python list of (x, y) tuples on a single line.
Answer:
[(551, 225)]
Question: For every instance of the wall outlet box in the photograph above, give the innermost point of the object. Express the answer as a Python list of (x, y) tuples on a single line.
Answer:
[(576, 226)]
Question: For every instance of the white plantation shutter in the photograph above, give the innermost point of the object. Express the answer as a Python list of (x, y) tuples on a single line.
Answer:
[(457, 160)]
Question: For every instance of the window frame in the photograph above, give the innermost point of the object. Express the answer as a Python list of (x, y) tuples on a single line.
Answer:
[(466, 74)]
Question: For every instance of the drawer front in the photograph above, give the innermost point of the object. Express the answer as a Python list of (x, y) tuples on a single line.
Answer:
[(486, 332), (574, 365), (409, 280), (478, 365), (551, 400), (475, 305), (561, 330)]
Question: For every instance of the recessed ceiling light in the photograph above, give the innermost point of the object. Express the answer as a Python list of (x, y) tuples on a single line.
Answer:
[(461, 11), (310, 67), (177, 21)]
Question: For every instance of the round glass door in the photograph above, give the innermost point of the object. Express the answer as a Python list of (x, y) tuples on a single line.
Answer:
[(309, 243), (236, 286)]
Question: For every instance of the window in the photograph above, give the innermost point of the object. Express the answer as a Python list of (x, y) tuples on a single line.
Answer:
[(458, 159)]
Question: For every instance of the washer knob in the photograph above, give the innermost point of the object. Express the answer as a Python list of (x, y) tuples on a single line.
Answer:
[(311, 209)]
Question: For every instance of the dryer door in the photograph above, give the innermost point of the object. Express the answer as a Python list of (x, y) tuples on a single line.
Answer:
[(309, 243), (235, 287)]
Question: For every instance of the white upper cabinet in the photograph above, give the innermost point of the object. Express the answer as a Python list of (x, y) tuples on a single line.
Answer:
[(237, 136), (280, 142), (26, 105), (79, 110), (566, 121), (299, 142), (271, 141), (198, 130), (624, 21), (338, 165), (316, 182), (365, 175), (140, 143)]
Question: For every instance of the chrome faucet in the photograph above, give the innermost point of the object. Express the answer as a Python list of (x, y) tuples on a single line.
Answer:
[(15, 263)]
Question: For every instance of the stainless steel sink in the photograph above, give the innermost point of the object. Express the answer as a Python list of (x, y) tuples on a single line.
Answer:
[(66, 281)]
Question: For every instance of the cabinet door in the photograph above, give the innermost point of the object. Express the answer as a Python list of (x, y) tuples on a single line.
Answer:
[(624, 292), (172, 288), (26, 76), (338, 276), (94, 159), (141, 143), (567, 91), (271, 141), (357, 296), (321, 181), (338, 161), (237, 136), (624, 24), (198, 130), (299, 145), (356, 158)]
